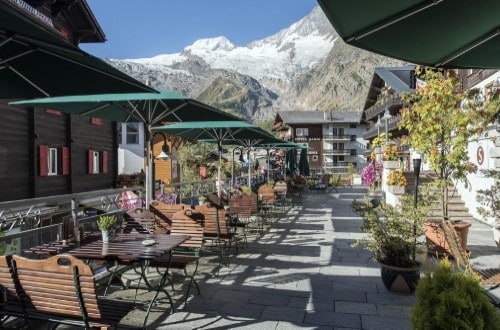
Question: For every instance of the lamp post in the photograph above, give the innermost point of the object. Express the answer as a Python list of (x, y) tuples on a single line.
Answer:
[(232, 164), (387, 116), (164, 154), (417, 162)]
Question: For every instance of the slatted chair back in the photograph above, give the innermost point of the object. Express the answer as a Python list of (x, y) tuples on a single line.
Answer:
[(10, 304), (139, 219), (266, 194), (164, 213), (280, 187), (51, 286), (184, 224), (214, 220), (241, 206)]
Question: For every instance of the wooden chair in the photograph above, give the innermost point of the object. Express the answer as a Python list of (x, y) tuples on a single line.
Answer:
[(139, 219), (490, 278), (10, 304), (188, 252), (215, 229), (62, 290), (164, 213), (243, 212)]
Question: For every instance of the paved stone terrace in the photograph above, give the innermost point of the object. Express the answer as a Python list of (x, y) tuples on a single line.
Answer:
[(302, 272)]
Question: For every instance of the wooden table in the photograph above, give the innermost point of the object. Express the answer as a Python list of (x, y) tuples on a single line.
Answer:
[(125, 249)]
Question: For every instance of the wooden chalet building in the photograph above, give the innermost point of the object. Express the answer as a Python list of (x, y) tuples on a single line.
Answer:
[(334, 137), (45, 152)]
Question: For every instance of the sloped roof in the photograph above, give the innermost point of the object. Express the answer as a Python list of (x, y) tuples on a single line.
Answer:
[(319, 117), (400, 79)]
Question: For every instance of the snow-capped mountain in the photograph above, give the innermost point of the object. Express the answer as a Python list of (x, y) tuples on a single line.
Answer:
[(260, 78)]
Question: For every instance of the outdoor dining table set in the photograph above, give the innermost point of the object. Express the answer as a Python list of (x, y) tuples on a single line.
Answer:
[(125, 251)]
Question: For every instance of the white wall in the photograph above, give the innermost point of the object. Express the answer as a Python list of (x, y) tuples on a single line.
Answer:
[(130, 156), (477, 181)]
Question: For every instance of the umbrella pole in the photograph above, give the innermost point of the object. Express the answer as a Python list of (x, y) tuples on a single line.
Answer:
[(219, 184), (267, 150), (249, 166), (148, 175)]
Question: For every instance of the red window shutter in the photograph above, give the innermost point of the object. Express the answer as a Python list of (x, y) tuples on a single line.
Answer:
[(96, 121), (90, 163), (104, 162), (43, 153), (65, 160)]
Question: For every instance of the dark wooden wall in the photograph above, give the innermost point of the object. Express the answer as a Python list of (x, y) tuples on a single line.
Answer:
[(23, 130)]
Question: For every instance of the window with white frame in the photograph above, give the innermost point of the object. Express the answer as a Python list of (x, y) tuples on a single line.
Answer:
[(95, 162), (52, 161), (302, 132), (132, 133)]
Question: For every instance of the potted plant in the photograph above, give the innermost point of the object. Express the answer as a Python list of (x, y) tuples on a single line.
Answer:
[(371, 175), (441, 123), (107, 223), (390, 156), (393, 233), (449, 299), (489, 202), (202, 200), (396, 181)]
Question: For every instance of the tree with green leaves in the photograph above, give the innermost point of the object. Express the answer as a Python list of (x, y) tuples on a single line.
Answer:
[(441, 123)]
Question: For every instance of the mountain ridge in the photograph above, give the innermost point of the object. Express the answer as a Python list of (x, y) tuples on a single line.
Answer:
[(303, 67)]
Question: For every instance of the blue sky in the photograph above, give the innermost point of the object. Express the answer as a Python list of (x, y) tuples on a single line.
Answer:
[(145, 28)]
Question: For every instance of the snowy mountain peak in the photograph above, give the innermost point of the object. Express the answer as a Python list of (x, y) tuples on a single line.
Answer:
[(211, 45)]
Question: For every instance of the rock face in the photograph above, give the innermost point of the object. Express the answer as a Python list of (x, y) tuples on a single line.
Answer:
[(303, 67)]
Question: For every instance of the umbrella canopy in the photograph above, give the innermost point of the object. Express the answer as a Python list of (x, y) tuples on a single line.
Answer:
[(227, 132), (35, 61), (290, 162), (449, 34), (148, 108), (303, 162)]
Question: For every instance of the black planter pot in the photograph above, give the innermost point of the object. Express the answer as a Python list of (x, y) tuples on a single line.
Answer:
[(398, 279)]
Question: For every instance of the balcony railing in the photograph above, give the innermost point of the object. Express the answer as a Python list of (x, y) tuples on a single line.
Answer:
[(331, 136), (392, 124), (338, 152), (378, 109), (476, 77)]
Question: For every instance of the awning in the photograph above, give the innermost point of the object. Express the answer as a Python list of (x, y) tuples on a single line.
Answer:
[(35, 61), (450, 34)]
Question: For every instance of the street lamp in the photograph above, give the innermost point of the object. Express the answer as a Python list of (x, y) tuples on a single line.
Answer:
[(164, 154), (387, 116), (417, 162)]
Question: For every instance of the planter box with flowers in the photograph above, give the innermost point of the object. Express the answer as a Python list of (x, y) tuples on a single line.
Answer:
[(396, 181), (390, 156)]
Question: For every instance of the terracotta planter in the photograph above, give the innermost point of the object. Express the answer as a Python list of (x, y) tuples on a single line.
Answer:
[(398, 279), (397, 190), (434, 234), (391, 164)]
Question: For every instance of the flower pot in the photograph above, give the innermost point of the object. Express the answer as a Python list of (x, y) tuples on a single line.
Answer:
[(397, 190), (375, 196), (105, 236), (435, 235), (391, 164), (399, 279)]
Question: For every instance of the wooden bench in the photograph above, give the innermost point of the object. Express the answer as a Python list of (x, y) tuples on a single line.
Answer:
[(164, 213), (61, 290)]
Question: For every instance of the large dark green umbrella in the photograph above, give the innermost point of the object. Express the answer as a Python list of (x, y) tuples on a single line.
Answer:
[(228, 132), (36, 61), (290, 162), (452, 34), (147, 108), (303, 162)]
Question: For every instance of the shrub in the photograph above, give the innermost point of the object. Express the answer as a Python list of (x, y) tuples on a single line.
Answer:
[(449, 299)]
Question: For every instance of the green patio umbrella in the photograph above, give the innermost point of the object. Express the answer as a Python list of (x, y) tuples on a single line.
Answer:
[(35, 61), (227, 132), (147, 108), (303, 162), (290, 161), (448, 34)]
